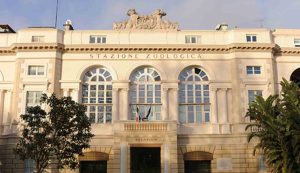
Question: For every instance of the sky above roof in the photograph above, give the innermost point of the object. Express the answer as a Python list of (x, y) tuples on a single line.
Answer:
[(190, 14)]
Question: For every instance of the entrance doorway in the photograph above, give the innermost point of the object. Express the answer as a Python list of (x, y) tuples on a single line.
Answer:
[(145, 160), (197, 166), (197, 162), (93, 166)]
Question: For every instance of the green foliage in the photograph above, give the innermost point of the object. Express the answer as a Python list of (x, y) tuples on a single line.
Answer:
[(277, 124), (58, 133)]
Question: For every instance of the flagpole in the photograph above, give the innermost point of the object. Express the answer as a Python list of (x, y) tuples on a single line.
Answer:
[(56, 13)]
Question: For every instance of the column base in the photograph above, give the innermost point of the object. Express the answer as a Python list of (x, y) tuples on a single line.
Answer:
[(225, 128), (215, 128)]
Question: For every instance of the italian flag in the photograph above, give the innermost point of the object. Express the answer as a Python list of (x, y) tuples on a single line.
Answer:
[(137, 115)]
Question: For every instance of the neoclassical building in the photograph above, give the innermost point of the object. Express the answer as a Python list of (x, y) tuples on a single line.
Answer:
[(190, 89)]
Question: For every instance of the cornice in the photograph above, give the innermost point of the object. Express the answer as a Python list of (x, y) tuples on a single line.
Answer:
[(290, 51), (147, 48), (32, 47)]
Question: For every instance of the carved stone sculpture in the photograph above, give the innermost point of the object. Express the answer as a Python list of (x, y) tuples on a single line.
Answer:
[(151, 22)]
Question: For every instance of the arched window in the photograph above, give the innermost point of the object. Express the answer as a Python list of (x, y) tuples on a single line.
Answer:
[(145, 94), (97, 95), (295, 77), (194, 106)]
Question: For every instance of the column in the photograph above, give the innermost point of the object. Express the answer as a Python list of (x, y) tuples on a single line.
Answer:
[(115, 106), (66, 92), (6, 114), (166, 158), (1, 109), (125, 104), (224, 113), (123, 164), (225, 126), (75, 95), (173, 102), (165, 106), (214, 106)]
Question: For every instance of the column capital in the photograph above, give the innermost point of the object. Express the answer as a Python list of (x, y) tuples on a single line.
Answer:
[(124, 89), (3, 90), (215, 89), (116, 89), (165, 89), (224, 89)]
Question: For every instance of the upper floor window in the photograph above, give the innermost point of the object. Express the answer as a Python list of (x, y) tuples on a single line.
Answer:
[(251, 38), (37, 39), (192, 39), (36, 70), (97, 39), (297, 42), (145, 94), (33, 98), (252, 94), (194, 105), (253, 70), (97, 95)]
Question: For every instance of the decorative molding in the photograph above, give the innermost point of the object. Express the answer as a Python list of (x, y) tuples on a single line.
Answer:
[(291, 51), (158, 49)]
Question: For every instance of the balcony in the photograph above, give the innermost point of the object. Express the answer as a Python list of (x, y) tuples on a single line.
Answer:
[(146, 126)]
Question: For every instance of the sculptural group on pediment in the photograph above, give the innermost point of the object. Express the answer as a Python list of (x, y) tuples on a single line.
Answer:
[(151, 22)]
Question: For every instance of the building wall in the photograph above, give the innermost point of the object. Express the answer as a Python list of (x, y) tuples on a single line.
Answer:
[(223, 55)]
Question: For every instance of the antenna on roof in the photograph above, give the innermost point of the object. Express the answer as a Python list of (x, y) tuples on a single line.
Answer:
[(261, 22), (56, 13)]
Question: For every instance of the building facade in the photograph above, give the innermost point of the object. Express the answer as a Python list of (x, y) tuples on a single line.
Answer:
[(190, 88)]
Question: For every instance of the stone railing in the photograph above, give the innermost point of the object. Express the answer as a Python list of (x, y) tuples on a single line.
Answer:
[(146, 126)]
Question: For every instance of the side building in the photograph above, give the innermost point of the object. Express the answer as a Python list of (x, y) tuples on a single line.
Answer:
[(195, 84)]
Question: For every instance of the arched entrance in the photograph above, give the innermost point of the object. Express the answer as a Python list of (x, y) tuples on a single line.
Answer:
[(197, 162), (92, 162), (295, 77)]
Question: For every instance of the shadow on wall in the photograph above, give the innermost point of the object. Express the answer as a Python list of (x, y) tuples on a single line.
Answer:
[(1, 76)]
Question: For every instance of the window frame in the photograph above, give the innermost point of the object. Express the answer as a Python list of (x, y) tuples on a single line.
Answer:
[(186, 106), (252, 70), (98, 95), (151, 98), (36, 73), (98, 39), (37, 39), (252, 38), (36, 101), (189, 38), (255, 93), (297, 42)]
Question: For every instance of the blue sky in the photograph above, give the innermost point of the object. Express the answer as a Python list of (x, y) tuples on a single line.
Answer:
[(190, 14)]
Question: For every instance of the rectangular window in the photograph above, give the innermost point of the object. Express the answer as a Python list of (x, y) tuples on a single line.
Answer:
[(192, 39), (251, 38), (252, 94), (297, 42), (37, 39), (33, 98), (253, 70), (29, 166), (98, 39), (36, 70)]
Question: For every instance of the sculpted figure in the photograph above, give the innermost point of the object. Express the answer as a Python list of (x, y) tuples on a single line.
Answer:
[(148, 22), (132, 22)]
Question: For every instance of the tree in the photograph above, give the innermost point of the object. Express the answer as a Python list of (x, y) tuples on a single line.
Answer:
[(277, 123), (60, 132)]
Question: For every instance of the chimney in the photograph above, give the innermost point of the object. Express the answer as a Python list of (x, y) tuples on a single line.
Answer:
[(222, 27), (68, 25)]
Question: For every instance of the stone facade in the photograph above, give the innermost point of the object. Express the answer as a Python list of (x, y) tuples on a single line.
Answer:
[(225, 55)]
